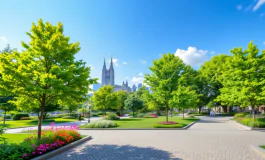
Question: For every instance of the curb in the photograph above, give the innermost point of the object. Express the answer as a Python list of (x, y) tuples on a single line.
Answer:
[(188, 126), (184, 128), (62, 149), (247, 127), (259, 150)]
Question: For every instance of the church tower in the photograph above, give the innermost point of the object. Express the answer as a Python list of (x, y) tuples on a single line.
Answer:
[(104, 70), (111, 71), (107, 74)]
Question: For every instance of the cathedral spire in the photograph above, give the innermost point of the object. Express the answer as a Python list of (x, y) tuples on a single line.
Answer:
[(104, 65), (111, 64)]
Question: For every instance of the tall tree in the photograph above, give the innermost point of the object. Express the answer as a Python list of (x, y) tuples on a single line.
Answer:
[(121, 97), (104, 99), (166, 73), (209, 80), (46, 71), (243, 79), (6, 106), (133, 103), (185, 98)]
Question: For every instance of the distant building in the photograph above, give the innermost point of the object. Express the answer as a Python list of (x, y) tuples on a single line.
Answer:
[(134, 88), (140, 85), (96, 87), (108, 78)]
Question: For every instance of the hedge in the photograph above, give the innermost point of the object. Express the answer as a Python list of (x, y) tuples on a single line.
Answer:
[(18, 116), (168, 126)]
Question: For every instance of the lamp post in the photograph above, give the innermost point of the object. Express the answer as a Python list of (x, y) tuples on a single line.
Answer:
[(89, 106)]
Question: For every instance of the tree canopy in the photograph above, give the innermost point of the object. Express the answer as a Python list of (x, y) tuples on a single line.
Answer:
[(46, 71)]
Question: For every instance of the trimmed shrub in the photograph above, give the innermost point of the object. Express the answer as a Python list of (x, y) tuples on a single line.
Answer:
[(248, 116), (191, 116), (167, 123), (100, 124), (168, 126), (68, 117), (94, 114), (242, 114), (18, 116), (25, 118), (148, 116), (112, 116), (100, 113), (140, 115), (45, 120)]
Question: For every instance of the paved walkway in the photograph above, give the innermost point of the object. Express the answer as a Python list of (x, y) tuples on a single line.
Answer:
[(17, 130), (212, 138)]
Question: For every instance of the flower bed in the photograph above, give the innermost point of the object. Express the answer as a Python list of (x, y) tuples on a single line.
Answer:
[(167, 123), (100, 124), (52, 138), (168, 126), (257, 123)]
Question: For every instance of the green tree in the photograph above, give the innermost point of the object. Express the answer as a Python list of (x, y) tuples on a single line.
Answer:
[(121, 97), (46, 71), (166, 73), (133, 103), (6, 106), (243, 79), (209, 80), (48, 108), (185, 98), (104, 99), (141, 94)]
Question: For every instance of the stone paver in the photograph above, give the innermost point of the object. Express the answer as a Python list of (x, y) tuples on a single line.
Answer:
[(212, 138)]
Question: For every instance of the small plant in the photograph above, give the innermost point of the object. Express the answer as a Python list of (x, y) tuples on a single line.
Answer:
[(18, 116), (68, 117), (25, 118), (100, 124), (112, 116), (243, 114)]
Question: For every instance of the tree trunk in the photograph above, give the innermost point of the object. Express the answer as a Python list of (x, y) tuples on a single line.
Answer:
[(40, 122), (133, 113), (166, 113), (4, 122), (253, 112), (225, 109), (183, 113), (200, 108)]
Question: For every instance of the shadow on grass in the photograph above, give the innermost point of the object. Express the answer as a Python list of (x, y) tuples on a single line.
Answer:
[(128, 119), (117, 152)]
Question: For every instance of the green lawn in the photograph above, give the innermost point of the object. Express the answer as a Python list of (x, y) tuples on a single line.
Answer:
[(149, 122), (262, 147), (30, 123), (15, 138)]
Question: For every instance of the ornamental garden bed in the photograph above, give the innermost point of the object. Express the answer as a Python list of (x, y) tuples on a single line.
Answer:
[(140, 123), (26, 146), (246, 120)]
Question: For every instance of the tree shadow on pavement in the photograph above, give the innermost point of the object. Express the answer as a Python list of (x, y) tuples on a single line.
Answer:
[(116, 152)]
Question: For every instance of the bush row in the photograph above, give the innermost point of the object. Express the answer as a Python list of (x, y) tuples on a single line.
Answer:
[(100, 124)]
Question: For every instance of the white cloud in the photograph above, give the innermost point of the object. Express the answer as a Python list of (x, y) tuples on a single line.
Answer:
[(264, 43), (3, 42), (140, 74), (213, 52), (143, 61), (258, 4), (239, 7), (124, 63), (115, 61), (137, 80), (192, 56)]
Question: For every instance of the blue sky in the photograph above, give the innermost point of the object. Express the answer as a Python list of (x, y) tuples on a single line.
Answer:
[(135, 32)]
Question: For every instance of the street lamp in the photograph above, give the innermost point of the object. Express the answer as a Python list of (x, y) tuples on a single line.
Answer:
[(89, 106)]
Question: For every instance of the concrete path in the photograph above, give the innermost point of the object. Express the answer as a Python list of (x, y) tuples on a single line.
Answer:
[(17, 130), (213, 138)]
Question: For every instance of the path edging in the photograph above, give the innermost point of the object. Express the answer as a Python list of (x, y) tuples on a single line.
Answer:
[(259, 150), (247, 127), (62, 149), (184, 128)]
